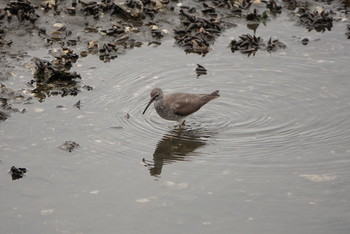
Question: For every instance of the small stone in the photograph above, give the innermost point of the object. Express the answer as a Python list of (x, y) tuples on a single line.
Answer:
[(68, 146), (305, 41), (17, 173)]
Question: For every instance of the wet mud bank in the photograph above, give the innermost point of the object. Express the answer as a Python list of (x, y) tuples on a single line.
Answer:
[(75, 77), (72, 29)]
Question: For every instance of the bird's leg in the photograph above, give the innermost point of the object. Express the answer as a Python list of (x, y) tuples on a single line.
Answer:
[(181, 127)]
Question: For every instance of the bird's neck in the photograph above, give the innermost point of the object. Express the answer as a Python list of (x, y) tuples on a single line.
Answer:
[(158, 103)]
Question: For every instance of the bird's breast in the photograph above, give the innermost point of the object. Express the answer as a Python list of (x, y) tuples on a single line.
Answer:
[(165, 112)]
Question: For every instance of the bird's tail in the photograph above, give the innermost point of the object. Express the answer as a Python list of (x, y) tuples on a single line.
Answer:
[(215, 94)]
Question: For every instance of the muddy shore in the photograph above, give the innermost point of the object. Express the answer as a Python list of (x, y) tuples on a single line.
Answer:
[(70, 29), (270, 155)]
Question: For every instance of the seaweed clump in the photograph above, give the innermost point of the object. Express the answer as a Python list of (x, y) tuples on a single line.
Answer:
[(17, 173), (250, 44), (348, 31), (320, 21), (23, 9), (7, 98), (197, 33), (54, 79)]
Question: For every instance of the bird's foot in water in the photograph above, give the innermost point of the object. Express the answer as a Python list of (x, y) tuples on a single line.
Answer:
[(181, 127)]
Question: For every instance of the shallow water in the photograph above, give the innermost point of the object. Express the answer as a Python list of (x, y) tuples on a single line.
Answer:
[(271, 155)]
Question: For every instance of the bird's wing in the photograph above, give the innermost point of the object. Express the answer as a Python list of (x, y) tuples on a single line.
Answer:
[(186, 104)]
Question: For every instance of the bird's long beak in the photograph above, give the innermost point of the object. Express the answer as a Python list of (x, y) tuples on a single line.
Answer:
[(150, 102)]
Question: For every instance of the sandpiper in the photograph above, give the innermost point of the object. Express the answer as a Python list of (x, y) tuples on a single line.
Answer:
[(177, 106)]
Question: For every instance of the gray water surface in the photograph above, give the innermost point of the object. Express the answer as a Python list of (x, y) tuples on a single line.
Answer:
[(271, 155)]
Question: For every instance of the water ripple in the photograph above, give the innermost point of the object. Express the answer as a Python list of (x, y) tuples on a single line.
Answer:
[(263, 113)]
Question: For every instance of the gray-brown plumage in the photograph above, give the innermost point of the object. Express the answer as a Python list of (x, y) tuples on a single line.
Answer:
[(177, 106)]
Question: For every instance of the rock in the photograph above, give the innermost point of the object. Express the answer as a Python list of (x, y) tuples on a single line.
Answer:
[(131, 9), (305, 41), (68, 146), (200, 70), (17, 173)]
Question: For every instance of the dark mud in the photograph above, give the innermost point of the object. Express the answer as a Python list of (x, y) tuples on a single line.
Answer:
[(71, 29)]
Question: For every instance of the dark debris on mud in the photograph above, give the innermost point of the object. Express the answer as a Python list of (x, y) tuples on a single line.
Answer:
[(68, 146), (200, 70), (319, 21), (250, 44), (133, 22), (54, 78), (8, 98), (348, 31), (17, 173)]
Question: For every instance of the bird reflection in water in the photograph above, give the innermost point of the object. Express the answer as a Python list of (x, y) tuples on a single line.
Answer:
[(175, 146)]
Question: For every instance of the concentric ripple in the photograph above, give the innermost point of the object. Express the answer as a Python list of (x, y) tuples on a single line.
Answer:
[(262, 114)]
